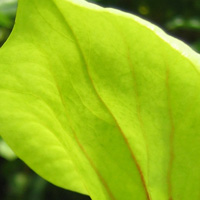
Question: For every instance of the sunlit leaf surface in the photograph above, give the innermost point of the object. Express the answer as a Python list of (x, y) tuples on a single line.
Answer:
[(101, 102)]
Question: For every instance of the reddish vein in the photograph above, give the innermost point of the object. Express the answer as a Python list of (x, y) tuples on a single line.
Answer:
[(171, 137), (123, 135)]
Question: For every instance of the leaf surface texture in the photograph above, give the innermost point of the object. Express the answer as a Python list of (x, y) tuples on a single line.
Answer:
[(101, 102)]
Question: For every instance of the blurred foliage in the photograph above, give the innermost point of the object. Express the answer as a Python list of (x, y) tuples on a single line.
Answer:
[(180, 18), (5, 151), (18, 182), (7, 16)]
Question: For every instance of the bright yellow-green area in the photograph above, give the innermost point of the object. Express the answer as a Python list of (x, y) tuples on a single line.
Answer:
[(101, 102)]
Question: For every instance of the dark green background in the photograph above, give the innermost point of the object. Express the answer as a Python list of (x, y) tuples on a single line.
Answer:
[(180, 18)]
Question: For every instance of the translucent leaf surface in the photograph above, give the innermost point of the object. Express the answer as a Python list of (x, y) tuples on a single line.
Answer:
[(101, 102)]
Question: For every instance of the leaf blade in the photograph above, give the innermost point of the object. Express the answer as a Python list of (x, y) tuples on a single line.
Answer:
[(98, 83)]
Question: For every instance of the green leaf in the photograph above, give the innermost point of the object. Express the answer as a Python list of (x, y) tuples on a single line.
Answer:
[(101, 101), (6, 152)]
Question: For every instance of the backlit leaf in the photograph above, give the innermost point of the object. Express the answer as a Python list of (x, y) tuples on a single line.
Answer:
[(101, 102)]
